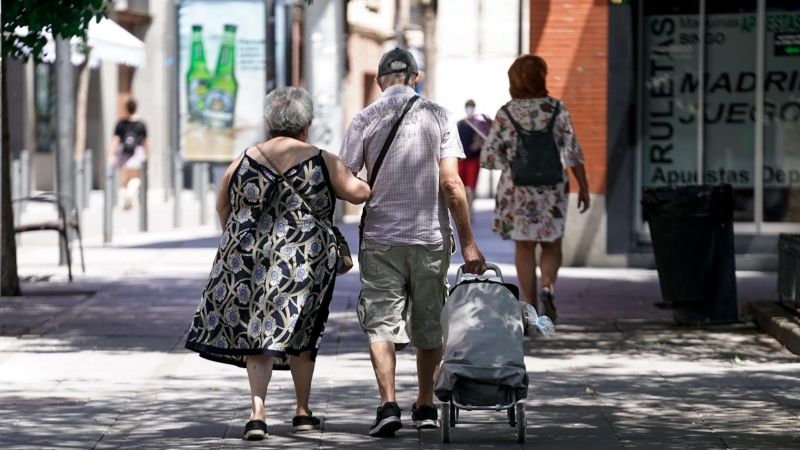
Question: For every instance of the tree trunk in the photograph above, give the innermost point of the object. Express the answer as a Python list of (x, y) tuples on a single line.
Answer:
[(429, 30), (9, 280)]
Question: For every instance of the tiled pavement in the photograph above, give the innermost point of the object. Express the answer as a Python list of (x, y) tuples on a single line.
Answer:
[(100, 364)]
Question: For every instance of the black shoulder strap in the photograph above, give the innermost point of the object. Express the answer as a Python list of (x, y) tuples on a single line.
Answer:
[(389, 140), (379, 161), (516, 125), (555, 116)]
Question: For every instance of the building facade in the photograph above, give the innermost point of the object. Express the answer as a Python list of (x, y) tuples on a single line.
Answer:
[(637, 75)]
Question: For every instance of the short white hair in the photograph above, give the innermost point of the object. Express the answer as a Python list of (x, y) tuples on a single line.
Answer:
[(288, 111), (391, 78)]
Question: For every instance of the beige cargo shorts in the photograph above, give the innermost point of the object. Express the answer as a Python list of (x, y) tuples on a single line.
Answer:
[(392, 277)]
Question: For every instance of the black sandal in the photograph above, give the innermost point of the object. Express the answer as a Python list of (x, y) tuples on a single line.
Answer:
[(549, 304), (255, 430), (305, 423)]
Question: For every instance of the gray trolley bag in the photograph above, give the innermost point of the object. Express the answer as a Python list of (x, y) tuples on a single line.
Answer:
[(483, 365)]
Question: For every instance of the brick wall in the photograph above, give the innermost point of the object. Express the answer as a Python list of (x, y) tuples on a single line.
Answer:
[(572, 36)]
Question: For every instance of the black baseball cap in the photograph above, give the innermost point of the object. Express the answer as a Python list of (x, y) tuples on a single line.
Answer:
[(397, 54)]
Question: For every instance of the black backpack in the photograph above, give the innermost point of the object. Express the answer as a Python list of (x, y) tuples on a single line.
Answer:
[(130, 140), (537, 161)]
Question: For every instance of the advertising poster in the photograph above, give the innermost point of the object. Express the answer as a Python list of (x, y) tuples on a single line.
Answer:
[(222, 77)]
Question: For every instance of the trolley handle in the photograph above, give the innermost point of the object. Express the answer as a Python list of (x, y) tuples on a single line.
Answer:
[(489, 266)]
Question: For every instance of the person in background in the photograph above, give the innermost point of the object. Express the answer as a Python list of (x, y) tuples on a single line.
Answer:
[(267, 299), (472, 131), (129, 149), (534, 215)]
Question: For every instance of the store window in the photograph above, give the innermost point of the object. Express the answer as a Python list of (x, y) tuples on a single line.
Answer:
[(44, 99), (720, 39)]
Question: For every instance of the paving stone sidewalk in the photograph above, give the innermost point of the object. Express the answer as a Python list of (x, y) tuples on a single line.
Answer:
[(100, 363)]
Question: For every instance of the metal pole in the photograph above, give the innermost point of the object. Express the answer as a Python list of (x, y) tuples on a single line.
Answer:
[(108, 203), (167, 174), (143, 198), (178, 183), (761, 27), (16, 187), (65, 113), (80, 202), (519, 28), (701, 94), (203, 189), (25, 177), (115, 187), (88, 175)]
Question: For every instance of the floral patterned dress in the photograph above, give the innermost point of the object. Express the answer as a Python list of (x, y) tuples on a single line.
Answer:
[(271, 285), (527, 213)]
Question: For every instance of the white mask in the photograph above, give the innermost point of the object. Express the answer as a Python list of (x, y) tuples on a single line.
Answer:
[(470, 110)]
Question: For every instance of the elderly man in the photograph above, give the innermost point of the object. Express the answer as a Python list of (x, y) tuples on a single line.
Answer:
[(411, 148)]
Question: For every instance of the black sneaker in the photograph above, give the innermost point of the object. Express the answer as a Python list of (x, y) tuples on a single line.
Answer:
[(549, 305), (425, 416), (305, 423), (387, 421), (255, 430)]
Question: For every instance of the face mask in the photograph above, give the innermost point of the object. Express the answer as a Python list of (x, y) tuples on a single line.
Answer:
[(470, 110)]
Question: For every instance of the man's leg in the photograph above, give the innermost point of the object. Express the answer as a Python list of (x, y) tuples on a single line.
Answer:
[(381, 313), (428, 292), (428, 361), (384, 362)]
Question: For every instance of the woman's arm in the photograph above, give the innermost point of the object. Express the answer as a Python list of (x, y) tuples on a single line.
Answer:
[(223, 196), (583, 194), (346, 185)]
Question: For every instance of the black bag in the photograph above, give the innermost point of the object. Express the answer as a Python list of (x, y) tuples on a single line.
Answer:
[(130, 140), (537, 161)]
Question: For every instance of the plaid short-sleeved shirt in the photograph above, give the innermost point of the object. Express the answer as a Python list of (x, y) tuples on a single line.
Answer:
[(407, 206)]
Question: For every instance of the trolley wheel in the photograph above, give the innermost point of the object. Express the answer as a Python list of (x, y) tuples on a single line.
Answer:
[(446, 423), (521, 422)]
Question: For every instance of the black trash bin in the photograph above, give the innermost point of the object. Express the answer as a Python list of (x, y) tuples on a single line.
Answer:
[(692, 233)]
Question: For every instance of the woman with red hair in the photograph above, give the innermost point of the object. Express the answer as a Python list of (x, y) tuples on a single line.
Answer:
[(533, 215)]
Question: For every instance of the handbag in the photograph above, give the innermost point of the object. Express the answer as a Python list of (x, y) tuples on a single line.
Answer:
[(537, 161), (379, 161), (344, 259)]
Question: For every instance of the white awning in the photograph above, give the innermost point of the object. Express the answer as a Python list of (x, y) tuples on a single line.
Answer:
[(106, 40)]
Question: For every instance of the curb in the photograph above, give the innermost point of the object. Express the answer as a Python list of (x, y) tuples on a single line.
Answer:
[(778, 321)]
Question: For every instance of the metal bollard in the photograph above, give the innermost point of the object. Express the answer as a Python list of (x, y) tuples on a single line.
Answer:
[(88, 176), (80, 201), (167, 174), (143, 198), (178, 191), (196, 180), (25, 177), (16, 188), (203, 191), (115, 187), (108, 203)]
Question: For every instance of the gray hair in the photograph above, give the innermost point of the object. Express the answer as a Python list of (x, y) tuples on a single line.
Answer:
[(288, 111), (392, 78)]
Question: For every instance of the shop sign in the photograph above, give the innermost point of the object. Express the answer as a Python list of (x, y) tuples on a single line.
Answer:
[(670, 109)]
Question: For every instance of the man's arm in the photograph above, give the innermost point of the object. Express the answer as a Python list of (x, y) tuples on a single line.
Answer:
[(456, 197)]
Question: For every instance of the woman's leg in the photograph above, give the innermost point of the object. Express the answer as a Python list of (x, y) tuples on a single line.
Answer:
[(259, 372), (550, 263), (525, 259), (302, 371)]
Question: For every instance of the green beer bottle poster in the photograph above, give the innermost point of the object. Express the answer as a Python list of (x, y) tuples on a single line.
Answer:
[(198, 77), (221, 97)]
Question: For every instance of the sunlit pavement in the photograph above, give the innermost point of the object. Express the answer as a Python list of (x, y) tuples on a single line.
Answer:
[(99, 363)]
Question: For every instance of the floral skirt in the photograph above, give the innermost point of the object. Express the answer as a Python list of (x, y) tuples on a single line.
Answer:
[(527, 213)]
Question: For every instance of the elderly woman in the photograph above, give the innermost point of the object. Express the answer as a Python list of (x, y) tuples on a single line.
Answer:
[(270, 288), (533, 215)]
